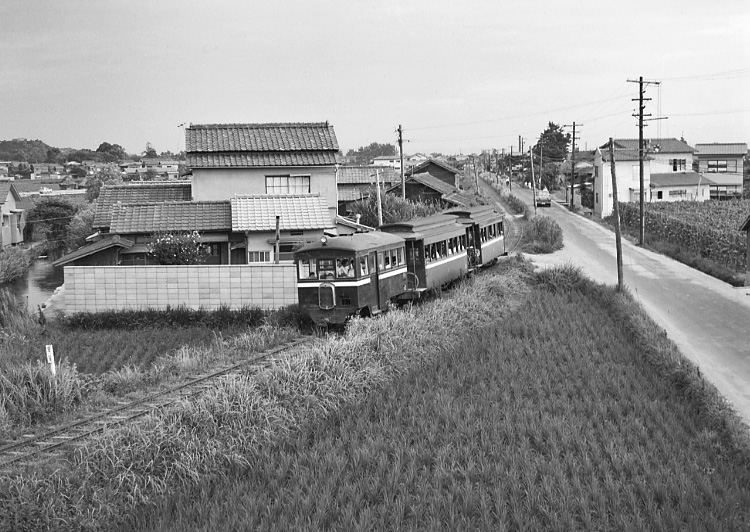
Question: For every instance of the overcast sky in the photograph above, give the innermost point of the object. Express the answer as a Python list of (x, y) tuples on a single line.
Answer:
[(459, 76)]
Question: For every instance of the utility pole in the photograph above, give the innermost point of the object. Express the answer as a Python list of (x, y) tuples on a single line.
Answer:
[(616, 207), (380, 203), (640, 115), (520, 144), (533, 180), (572, 166), (510, 173), (401, 151)]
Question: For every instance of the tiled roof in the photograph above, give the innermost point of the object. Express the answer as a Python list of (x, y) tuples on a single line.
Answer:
[(654, 145), (296, 212), (366, 174), (260, 137), (353, 192), (421, 166), (724, 179), (623, 155), (261, 159), (735, 148), (676, 179), (7, 187), (254, 145), (147, 192), (90, 249), (448, 193), (173, 216)]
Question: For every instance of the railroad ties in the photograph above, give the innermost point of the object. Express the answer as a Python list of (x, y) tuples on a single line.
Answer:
[(51, 443)]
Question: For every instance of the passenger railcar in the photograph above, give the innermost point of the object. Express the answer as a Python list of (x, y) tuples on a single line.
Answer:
[(485, 233), (436, 252), (342, 276)]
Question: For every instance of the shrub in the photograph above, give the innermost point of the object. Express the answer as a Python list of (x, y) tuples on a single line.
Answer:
[(178, 248), (542, 235), (14, 263)]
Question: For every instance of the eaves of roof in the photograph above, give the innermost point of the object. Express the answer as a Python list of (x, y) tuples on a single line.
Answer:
[(262, 159), (105, 243)]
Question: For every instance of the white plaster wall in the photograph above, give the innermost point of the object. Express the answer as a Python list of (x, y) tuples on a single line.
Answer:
[(100, 288)]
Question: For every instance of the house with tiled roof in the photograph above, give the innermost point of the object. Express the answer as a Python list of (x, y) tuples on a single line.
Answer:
[(427, 188), (356, 182), (438, 169), (259, 159), (724, 164), (627, 172), (679, 186), (301, 218), (13, 217), (135, 193)]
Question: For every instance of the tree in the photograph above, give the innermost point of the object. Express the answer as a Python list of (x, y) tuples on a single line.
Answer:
[(365, 154), (106, 175), (80, 227), (553, 143), (111, 153), (150, 151), (178, 248), (49, 220)]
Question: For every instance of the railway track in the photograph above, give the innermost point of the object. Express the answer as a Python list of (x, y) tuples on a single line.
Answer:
[(51, 443)]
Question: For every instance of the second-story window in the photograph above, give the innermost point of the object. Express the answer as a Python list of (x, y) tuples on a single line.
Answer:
[(288, 184)]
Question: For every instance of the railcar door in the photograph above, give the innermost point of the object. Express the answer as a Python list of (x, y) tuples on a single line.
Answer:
[(372, 264)]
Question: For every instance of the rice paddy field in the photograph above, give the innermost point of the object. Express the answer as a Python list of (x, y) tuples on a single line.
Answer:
[(520, 401)]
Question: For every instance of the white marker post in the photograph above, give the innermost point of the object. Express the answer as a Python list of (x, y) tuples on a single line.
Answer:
[(51, 359)]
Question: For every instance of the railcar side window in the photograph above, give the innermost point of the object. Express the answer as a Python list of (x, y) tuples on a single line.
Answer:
[(326, 269), (427, 257), (394, 258), (380, 260), (363, 266), (307, 270), (387, 255)]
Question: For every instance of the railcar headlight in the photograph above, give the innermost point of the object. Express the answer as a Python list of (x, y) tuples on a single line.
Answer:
[(323, 240)]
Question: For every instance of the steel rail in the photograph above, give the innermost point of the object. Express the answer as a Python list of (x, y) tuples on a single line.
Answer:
[(78, 430)]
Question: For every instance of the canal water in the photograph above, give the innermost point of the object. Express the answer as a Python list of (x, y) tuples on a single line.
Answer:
[(38, 285)]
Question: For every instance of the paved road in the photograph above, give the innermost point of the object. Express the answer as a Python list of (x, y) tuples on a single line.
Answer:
[(707, 319)]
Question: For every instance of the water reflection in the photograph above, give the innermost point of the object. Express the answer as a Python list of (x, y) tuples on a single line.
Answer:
[(38, 284)]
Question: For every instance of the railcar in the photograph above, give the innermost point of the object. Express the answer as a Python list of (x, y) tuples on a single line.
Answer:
[(485, 233), (348, 275), (436, 252)]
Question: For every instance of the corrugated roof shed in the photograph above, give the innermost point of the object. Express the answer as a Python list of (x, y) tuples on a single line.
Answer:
[(296, 212), (366, 174), (676, 179), (735, 149)]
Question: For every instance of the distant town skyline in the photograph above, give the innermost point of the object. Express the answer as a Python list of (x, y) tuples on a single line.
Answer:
[(459, 79)]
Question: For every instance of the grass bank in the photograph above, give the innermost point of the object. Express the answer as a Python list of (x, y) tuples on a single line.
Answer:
[(519, 401)]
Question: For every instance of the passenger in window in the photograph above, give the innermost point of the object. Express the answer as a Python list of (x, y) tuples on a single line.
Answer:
[(363, 266), (344, 268)]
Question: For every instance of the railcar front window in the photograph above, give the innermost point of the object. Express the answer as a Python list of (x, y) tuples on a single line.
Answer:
[(363, 266), (401, 256), (326, 269), (307, 269)]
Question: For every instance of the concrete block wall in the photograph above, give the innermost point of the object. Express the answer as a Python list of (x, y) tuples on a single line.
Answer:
[(100, 288)]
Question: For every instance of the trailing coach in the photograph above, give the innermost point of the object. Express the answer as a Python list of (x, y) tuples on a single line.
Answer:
[(436, 252), (485, 233)]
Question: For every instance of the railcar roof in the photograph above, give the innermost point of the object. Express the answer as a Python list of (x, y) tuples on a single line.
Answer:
[(481, 213), (416, 225), (355, 242)]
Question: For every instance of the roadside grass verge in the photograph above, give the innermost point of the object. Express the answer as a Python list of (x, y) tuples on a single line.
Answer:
[(512, 403)]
